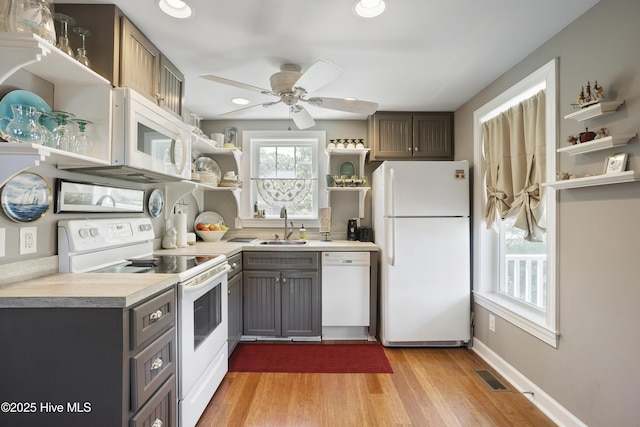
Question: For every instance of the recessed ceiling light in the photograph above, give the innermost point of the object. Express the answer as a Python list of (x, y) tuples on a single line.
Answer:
[(175, 8), (369, 8), (240, 101)]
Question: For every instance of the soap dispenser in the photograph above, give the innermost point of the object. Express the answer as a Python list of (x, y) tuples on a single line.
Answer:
[(303, 233)]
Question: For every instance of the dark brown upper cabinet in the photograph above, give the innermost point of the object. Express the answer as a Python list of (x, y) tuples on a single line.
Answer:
[(412, 136), (122, 54)]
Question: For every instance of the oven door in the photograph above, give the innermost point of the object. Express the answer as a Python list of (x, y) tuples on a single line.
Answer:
[(202, 325)]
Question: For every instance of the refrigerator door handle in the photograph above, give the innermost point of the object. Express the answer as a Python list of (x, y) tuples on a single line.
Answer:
[(391, 193), (392, 246), (392, 215)]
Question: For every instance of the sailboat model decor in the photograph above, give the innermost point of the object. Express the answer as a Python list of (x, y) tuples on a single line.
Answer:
[(26, 197)]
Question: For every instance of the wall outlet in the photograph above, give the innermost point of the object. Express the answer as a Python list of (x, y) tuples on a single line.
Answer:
[(28, 240), (492, 323)]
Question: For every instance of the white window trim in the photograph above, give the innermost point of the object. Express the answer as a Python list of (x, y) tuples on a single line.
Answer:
[(246, 208), (542, 326)]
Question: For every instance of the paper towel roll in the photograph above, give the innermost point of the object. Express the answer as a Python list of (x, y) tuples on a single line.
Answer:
[(180, 224), (325, 220)]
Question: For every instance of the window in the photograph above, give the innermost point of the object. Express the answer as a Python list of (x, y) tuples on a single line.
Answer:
[(514, 276), (282, 170)]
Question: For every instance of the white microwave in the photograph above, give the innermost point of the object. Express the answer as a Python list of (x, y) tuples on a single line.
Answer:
[(148, 144)]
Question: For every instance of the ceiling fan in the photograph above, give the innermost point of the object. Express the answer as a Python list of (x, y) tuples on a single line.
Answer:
[(293, 87)]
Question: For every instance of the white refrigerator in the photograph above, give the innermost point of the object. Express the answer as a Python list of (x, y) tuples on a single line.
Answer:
[(421, 224)]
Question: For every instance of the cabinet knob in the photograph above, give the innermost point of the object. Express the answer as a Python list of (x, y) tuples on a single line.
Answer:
[(159, 98), (409, 149), (234, 265), (284, 280), (157, 364), (157, 423), (415, 149), (277, 279), (156, 315)]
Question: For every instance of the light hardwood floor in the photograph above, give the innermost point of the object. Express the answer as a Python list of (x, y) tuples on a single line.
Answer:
[(428, 387)]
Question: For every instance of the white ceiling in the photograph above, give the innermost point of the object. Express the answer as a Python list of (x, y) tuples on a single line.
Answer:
[(420, 55)]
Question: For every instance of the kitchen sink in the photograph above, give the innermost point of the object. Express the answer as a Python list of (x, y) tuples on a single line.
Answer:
[(284, 242)]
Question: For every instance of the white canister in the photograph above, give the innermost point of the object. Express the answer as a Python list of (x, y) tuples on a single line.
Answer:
[(218, 138)]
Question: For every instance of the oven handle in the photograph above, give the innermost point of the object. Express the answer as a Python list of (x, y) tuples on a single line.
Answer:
[(194, 284)]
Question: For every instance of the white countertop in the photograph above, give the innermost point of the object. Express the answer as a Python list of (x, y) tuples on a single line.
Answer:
[(89, 290), (105, 290), (232, 248)]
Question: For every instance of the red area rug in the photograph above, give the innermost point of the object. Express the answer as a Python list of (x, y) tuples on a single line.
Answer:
[(310, 358)]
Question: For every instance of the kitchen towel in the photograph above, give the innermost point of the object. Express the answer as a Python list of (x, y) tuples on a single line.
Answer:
[(180, 224)]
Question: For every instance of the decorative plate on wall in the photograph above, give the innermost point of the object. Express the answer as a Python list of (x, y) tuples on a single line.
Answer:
[(26, 197), (156, 203)]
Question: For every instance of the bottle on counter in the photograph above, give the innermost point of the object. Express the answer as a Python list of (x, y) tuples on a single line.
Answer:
[(303, 233)]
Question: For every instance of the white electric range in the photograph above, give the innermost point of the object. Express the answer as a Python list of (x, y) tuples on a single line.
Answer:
[(125, 245)]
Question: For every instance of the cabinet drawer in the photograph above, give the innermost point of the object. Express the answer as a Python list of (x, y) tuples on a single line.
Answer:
[(235, 262), (151, 317), (280, 260), (151, 367), (160, 411)]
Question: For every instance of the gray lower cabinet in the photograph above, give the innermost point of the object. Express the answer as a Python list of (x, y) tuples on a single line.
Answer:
[(281, 295), (235, 301), (90, 366)]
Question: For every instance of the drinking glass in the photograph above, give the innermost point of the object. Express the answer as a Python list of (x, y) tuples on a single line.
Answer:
[(63, 40)]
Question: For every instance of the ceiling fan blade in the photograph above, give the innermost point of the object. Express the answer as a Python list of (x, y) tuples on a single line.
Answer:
[(249, 108), (348, 105), (317, 75), (236, 84), (301, 117)]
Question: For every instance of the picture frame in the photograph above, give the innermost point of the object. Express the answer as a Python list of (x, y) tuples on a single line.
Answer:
[(616, 163), (78, 196)]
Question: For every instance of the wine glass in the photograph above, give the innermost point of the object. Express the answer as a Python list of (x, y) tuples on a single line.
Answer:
[(63, 134), (82, 51), (49, 139), (63, 40), (83, 142)]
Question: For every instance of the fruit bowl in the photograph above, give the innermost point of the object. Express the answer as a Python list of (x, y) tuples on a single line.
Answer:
[(211, 236)]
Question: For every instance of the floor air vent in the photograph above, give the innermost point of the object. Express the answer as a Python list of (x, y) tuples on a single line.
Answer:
[(491, 381)]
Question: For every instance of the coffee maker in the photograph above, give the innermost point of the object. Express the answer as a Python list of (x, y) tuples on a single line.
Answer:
[(352, 229)]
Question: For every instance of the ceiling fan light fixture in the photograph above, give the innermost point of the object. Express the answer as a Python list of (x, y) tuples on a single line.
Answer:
[(240, 101), (369, 8), (175, 8)]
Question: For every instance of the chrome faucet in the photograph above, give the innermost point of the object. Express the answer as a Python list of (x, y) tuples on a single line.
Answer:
[(287, 232)]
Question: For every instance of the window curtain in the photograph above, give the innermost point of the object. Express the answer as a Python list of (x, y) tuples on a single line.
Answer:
[(515, 156)]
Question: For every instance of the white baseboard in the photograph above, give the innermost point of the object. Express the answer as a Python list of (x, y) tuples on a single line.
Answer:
[(556, 412)]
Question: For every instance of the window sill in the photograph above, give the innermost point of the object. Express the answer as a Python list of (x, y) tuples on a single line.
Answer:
[(527, 320)]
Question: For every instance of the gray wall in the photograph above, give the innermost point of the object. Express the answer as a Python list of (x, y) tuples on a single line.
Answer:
[(594, 372)]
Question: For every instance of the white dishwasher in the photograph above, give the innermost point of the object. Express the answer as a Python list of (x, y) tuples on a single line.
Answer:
[(345, 295)]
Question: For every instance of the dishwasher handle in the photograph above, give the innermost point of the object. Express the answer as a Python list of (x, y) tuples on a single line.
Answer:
[(346, 259)]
